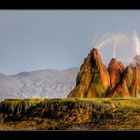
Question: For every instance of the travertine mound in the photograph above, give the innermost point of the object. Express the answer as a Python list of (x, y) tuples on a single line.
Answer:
[(95, 80)]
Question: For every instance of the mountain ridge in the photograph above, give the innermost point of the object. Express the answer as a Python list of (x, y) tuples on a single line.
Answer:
[(49, 83)]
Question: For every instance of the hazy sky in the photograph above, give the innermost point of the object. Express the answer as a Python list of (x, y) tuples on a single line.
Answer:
[(56, 39)]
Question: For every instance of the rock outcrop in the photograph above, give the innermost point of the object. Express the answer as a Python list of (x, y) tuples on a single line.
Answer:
[(115, 70), (95, 80)]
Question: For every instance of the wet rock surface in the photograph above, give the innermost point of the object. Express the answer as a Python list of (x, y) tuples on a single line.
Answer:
[(95, 80)]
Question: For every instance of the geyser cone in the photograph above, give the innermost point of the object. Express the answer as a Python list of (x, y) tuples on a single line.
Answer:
[(115, 69), (93, 78), (124, 87)]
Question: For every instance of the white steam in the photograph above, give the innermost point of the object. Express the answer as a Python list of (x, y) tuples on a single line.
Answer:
[(110, 39), (118, 45), (136, 43), (114, 51)]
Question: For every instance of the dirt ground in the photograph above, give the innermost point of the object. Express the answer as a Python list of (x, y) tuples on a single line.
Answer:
[(131, 123)]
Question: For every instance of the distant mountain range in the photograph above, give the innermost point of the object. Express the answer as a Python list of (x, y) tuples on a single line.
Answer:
[(49, 83)]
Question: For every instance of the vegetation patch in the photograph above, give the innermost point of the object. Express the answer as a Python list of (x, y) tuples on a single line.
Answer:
[(70, 111)]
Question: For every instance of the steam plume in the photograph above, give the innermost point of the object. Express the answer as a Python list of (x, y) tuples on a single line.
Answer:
[(136, 42)]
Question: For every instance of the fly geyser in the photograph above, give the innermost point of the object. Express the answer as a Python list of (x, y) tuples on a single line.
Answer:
[(95, 80)]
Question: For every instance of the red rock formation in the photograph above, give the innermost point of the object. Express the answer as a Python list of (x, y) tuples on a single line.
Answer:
[(135, 86), (115, 71), (95, 80), (130, 83)]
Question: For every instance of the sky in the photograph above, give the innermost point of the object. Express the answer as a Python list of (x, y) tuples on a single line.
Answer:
[(56, 39)]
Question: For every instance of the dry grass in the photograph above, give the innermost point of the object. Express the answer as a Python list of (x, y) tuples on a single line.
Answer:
[(125, 114)]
